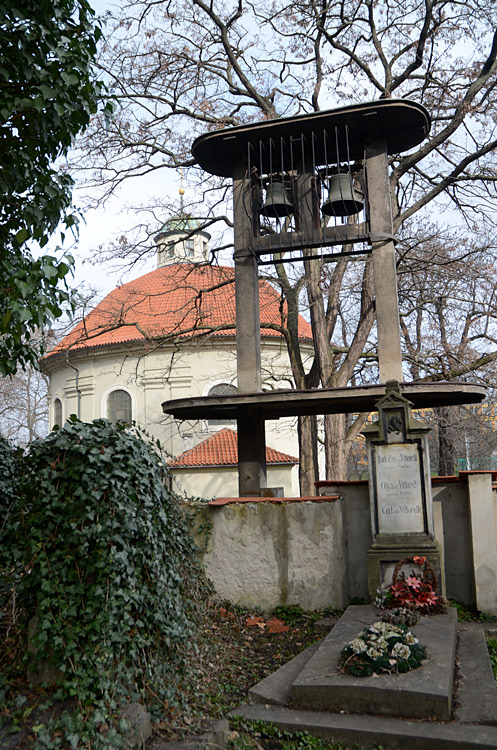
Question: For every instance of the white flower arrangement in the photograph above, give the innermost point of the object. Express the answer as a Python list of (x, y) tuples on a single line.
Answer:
[(382, 648)]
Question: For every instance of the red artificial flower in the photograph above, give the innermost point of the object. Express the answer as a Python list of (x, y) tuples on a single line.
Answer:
[(422, 600), (413, 582), (419, 560), (432, 597)]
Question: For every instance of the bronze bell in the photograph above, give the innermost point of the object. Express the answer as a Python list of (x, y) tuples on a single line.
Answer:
[(278, 203), (344, 197)]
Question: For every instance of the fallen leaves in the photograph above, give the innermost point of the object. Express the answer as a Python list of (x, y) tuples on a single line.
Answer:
[(277, 626), (274, 625), (243, 648), (255, 620), (223, 612)]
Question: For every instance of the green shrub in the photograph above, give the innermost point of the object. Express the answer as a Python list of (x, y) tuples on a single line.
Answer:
[(7, 497), (108, 569)]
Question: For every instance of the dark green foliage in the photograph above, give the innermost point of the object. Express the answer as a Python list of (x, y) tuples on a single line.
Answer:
[(47, 94), (291, 613), (7, 498), (108, 568), (467, 613), (7, 476), (248, 734)]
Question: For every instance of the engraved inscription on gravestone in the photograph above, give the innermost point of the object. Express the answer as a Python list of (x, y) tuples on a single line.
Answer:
[(399, 489)]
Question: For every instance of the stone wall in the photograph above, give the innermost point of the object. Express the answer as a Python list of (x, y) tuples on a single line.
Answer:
[(312, 551), (465, 514), (276, 551)]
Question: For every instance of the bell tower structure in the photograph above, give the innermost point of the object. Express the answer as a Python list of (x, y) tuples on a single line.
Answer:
[(279, 169)]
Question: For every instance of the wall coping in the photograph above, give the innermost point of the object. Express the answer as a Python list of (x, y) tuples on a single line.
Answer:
[(220, 501), (340, 482), (435, 480)]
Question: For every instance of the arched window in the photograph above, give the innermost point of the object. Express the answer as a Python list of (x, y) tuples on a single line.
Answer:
[(57, 413), (119, 406), (222, 389)]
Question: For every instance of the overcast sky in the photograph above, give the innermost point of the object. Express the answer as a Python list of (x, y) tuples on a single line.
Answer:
[(101, 226)]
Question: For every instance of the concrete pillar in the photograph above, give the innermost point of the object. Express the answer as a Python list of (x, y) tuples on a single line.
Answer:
[(481, 513), (250, 425), (383, 258), (439, 527)]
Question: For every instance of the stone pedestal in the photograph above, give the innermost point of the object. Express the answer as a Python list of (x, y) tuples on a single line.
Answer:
[(381, 560)]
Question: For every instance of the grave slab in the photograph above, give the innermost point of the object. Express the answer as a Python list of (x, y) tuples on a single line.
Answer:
[(471, 727), (424, 693), (477, 692)]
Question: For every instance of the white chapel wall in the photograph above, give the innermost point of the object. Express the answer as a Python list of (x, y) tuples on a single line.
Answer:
[(211, 482), (164, 374)]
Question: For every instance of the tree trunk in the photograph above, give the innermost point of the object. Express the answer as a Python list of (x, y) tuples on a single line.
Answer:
[(308, 467), (335, 446), (446, 448)]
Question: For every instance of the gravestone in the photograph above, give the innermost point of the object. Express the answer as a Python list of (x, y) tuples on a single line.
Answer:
[(399, 490)]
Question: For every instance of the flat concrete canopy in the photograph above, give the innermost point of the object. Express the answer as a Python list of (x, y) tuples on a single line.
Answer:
[(289, 403), (403, 123)]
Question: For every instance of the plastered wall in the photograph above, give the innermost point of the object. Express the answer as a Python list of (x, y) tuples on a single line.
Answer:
[(263, 554), (313, 553)]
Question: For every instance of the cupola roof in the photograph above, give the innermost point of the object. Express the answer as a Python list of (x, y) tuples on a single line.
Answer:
[(176, 302), (181, 223)]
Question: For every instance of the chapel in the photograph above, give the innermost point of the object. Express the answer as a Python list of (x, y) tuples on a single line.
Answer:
[(171, 334)]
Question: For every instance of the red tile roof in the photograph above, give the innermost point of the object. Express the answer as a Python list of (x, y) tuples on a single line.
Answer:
[(177, 301), (221, 449)]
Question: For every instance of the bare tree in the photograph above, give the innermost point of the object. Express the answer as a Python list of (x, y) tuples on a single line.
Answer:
[(177, 69), (448, 300), (24, 406), (463, 437), (24, 396), (447, 290)]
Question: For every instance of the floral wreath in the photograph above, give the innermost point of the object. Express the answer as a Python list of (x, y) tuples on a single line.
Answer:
[(382, 648), (415, 592)]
